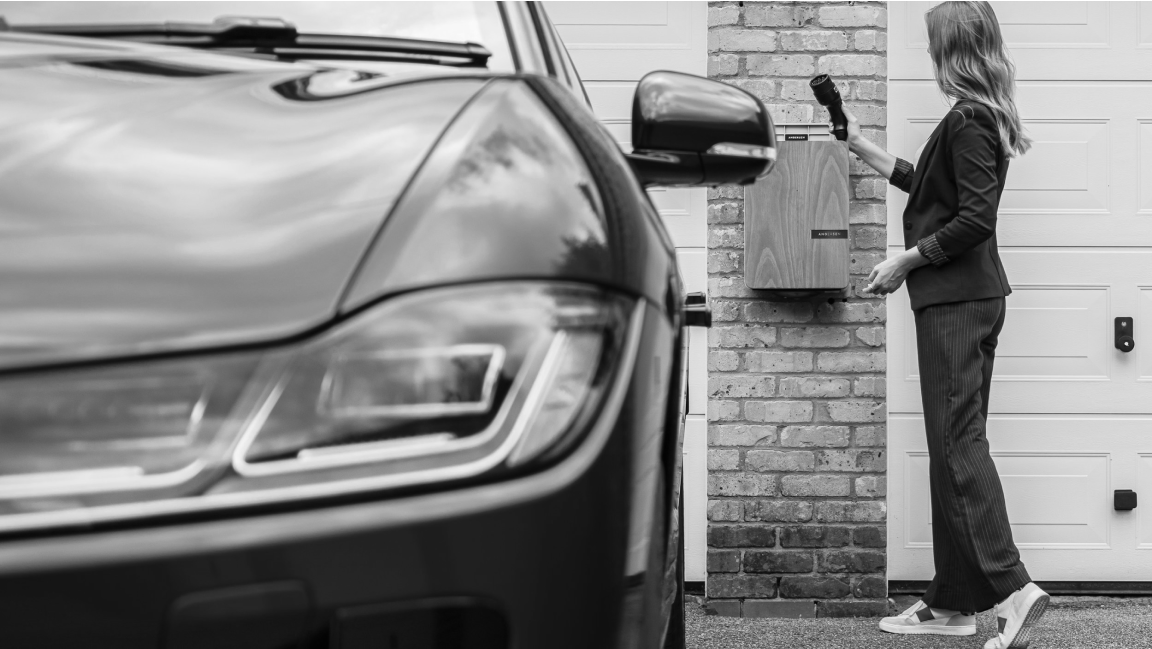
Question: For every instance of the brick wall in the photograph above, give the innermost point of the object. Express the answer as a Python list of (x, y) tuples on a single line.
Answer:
[(796, 409)]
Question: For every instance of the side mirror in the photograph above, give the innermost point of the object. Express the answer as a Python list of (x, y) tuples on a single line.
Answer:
[(688, 130)]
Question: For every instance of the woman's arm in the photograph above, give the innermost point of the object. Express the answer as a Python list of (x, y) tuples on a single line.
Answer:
[(896, 170), (975, 149), (879, 159), (889, 274)]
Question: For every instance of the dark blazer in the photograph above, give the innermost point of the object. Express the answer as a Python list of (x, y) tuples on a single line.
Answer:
[(953, 194)]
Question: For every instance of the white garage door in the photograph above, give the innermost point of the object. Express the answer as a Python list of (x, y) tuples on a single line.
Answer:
[(613, 45), (1070, 414)]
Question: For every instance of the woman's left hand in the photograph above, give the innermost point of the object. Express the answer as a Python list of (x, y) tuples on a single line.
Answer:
[(886, 277)]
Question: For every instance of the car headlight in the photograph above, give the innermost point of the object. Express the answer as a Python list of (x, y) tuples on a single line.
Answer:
[(426, 387)]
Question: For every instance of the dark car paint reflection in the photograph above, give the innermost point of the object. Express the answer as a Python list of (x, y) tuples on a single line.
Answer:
[(504, 166), (320, 85), (183, 211), (153, 67)]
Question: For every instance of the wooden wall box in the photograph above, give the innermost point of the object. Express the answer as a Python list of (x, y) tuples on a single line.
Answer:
[(796, 218)]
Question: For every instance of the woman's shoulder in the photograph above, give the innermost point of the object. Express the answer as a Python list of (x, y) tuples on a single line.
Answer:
[(966, 111), (969, 109)]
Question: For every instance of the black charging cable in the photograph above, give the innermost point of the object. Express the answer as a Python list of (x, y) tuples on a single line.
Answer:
[(829, 97)]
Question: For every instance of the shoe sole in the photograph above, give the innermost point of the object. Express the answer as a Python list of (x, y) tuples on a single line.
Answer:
[(928, 630), (1035, 612)]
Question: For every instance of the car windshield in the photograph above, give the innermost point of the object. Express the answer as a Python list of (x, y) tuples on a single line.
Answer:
[(477, 22)]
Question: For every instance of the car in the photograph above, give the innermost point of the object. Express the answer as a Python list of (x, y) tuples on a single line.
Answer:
[(340, 325)]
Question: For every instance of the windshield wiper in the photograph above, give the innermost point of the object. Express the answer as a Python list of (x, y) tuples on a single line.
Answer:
[(275, 37)]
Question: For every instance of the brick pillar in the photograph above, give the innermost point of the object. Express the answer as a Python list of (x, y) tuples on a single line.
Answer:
[(796, 409)]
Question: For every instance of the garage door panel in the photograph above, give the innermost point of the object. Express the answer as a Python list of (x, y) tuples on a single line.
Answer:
[(1087, 180), (1051, 332), (1055, 332), (621, 132), (1052, 499), (610, 14), (652, 35), (1144, 166), (695, 487), (1043, 505), (1071, 416), (917, 497), (1049, 40), (1061, 24), (1056, 352), (679, 210), (1021, 24), (1058, 475), (1143, 485), (1141, 355), (1067, 169), (1144, 22), (1055, 499), (611, 100)]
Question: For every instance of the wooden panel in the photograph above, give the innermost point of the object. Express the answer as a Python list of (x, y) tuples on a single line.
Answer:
[(808, 191)]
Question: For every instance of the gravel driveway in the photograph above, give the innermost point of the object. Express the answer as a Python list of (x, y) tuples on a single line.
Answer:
[(1070, 623)]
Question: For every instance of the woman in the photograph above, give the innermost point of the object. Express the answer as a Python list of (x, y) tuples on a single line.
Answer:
[(957, 287)]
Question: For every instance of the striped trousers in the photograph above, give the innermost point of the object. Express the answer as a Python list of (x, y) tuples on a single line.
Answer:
[(977, 564)]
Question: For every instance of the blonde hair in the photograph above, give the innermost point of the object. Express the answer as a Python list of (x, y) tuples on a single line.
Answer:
[(971, 62)]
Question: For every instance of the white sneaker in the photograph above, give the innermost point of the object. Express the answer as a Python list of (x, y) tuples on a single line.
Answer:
[(919, 618), (1015, 617)]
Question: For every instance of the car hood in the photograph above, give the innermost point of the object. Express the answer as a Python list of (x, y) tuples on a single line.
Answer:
[(154, 199)]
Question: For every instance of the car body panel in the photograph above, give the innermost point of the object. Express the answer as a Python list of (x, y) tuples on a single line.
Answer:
[(505, 166), (145, 212), (495, 204), (560, 532), (549, 550)]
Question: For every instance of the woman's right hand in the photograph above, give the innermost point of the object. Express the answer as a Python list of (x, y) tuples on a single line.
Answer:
[(854, 135)]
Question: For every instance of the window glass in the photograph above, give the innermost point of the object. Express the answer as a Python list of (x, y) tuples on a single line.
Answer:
[(522, 30), (565, 69)]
